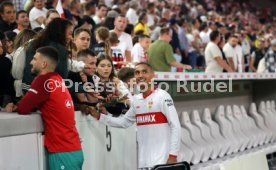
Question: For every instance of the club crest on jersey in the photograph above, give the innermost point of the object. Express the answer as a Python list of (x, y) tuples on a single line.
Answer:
[(149, 105)]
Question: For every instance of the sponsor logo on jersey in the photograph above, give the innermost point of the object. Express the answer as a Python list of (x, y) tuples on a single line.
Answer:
[(68, 104), (150, 118), (169, 102)]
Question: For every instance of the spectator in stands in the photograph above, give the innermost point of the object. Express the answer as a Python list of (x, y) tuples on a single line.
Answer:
[(57, 34), (62, 140), (257, 55), (117, 54), (82, 38), (125, 43), (192, 47), (38, 14), (8, 44), (239, 65), (182, 36), (100, 14), (110, 18), (246, 49), (8, 16), (51, 14), (204, 34), (103, 45), (161, 53), (19, 4), (112, 86), (75, 8), (161, 104), (89, 9), (230, 52), (139, 52), (6, 82), (213, 56), (270, 57), (131, 14), (21, 43), (142, 24), (22, 20), (152, 17), (85, 78)]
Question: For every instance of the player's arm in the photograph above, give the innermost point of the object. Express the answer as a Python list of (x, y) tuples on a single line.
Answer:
[(33, 98), (169, 110), (124, 121)]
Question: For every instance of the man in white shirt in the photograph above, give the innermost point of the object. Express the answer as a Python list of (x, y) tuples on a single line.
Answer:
[(139, 52), (230, 52), (131, 13), (100, 14), (125, 39), (38, 14), (213, 55), (158, 127)]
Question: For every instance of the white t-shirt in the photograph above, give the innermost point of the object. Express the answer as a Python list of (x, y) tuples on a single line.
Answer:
[(138, 53), (150, 20), (97, 19), (204, 37), (191, 39), (36, 13), (132, 16), (239, 57), (211, 52), (229, 51), (125, 42)]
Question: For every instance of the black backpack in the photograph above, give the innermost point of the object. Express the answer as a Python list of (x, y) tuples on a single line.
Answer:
[(175, 166)]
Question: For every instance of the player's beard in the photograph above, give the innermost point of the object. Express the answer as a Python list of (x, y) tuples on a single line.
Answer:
[(35, 71)]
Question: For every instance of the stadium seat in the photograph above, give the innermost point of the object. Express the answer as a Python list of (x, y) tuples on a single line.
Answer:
[(187, 141), (226, 129), (196, 136), (236, 128), (273, 107), (267, 117), (259, 120), (252, 128), (271, 113), (206, 135), (237, 115), (186, 153), (214, 130)]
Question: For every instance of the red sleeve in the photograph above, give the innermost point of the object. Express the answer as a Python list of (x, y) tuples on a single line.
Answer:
[(34, 97)]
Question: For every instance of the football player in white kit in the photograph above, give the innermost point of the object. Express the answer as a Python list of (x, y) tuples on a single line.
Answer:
[(158, 127)]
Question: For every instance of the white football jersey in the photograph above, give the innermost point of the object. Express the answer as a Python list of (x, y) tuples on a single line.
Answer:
[(158, 127)]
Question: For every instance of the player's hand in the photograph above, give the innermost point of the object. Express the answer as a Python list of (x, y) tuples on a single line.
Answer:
[(9, 107), (83, 76), (103, 109), (93, 112), (95, 94), (171, 160)]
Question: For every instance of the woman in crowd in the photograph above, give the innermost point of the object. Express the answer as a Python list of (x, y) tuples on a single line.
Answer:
[(8, 44), (109, 85), (142, 24), (21, 43), (57, 34), (102, 37)]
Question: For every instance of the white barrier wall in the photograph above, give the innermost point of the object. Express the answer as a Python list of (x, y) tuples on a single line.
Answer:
[(106, 148)]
